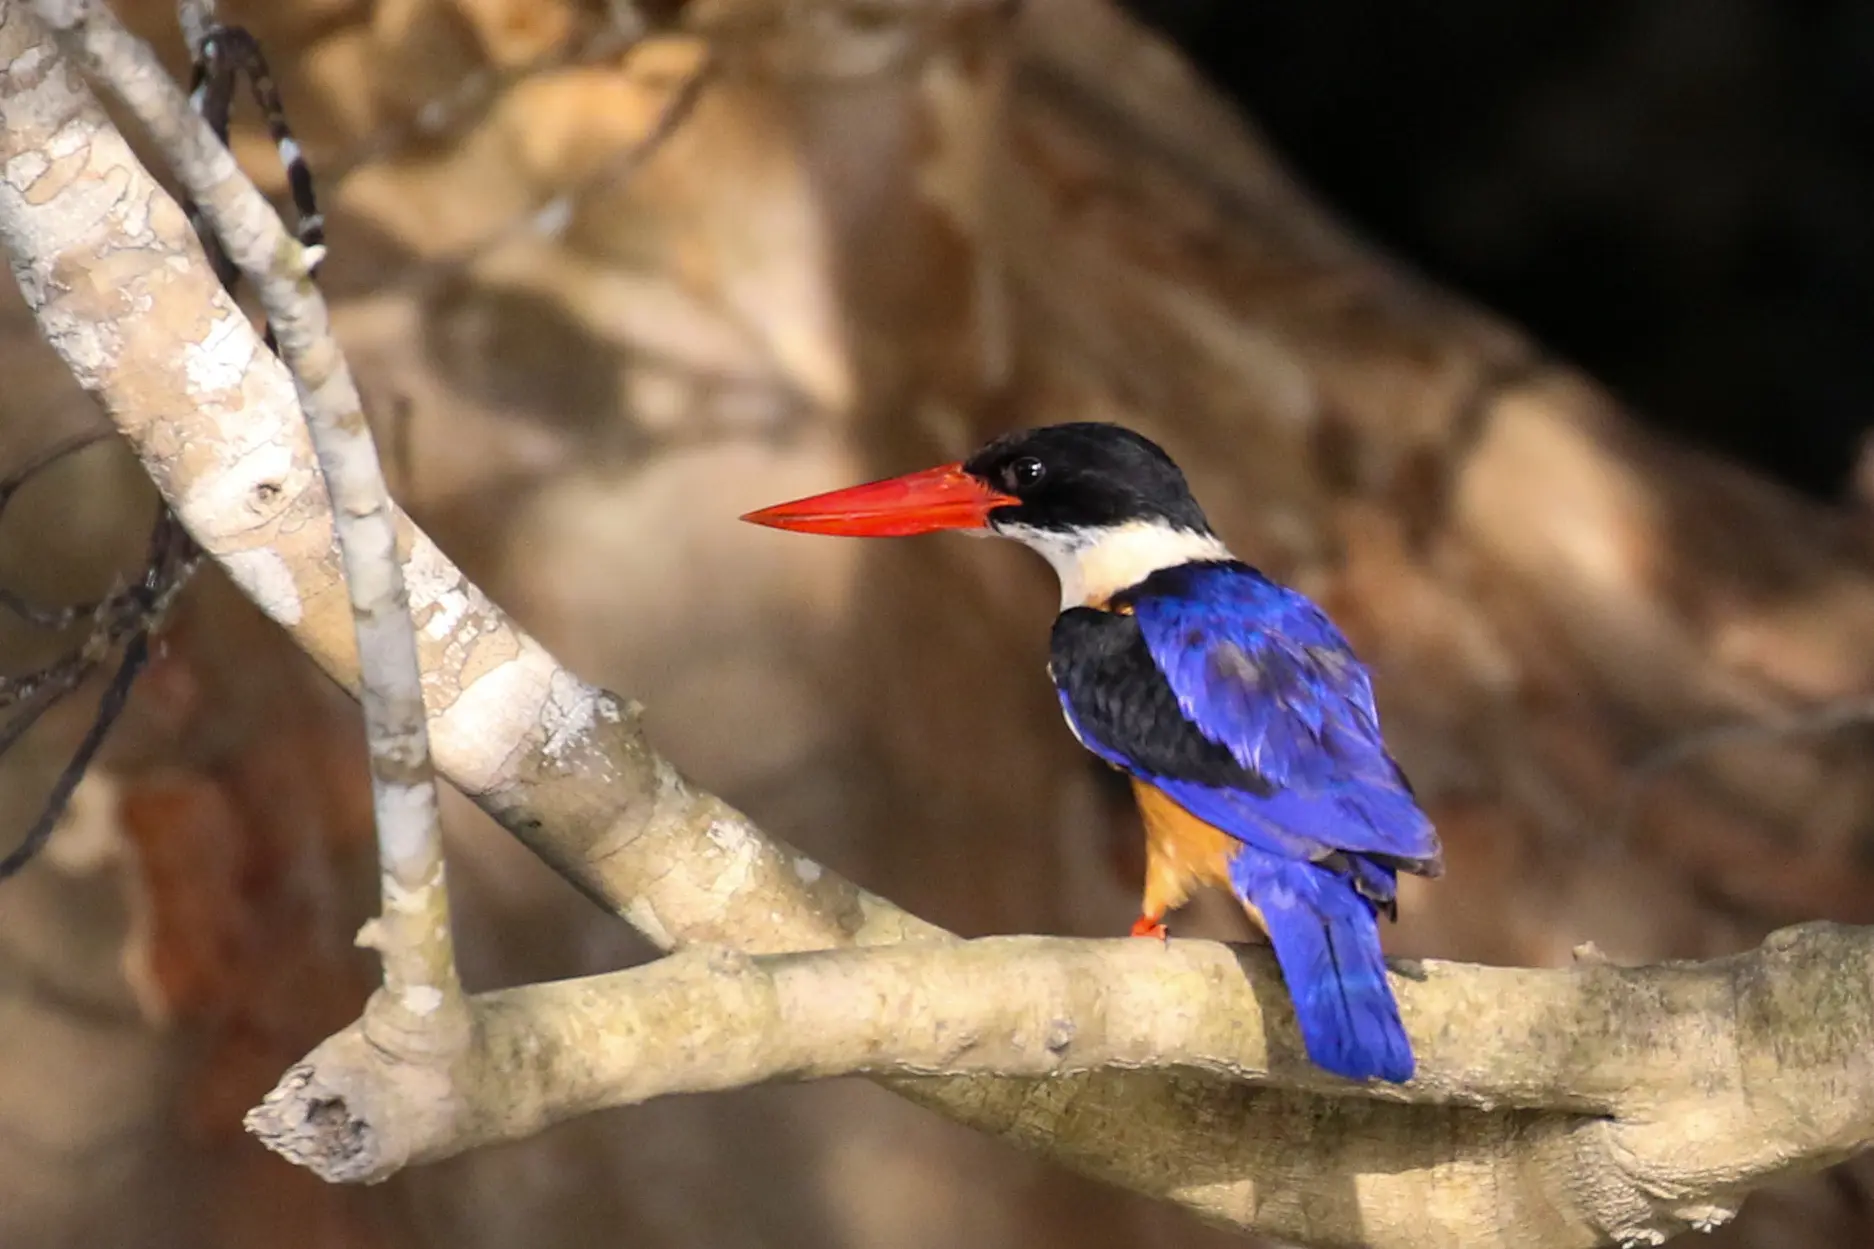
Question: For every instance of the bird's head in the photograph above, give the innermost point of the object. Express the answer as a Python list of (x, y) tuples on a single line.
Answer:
[(1106, 506)]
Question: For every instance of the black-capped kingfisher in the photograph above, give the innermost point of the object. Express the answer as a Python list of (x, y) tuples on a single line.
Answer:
[(1239, 711)]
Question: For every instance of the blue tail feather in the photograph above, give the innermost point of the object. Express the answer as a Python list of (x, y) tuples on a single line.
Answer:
[(1326, 939)]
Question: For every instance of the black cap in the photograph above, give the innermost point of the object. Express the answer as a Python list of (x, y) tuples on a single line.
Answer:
[(1085, 475)]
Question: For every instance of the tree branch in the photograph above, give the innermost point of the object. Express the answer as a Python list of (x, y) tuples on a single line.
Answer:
[(421, 1016), (1699, 1079), (116, 282)]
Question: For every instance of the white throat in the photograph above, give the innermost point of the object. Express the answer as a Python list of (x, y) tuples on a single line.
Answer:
[(1095, 564)]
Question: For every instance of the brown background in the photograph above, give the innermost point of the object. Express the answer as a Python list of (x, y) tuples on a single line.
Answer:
[(866, 246)]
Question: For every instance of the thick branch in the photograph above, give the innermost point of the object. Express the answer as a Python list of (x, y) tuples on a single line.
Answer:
[(1701, 1079), (1040, 1006)]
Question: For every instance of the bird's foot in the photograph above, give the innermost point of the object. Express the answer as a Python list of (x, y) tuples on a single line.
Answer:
[(1146, 926)]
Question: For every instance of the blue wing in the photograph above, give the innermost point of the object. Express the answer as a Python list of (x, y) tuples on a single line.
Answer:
[(1262, 672), (1242, 703)]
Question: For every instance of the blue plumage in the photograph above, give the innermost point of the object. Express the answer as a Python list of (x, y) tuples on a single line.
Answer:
[(1290, 764), (1260, 670), (1326, 939), (1235, 704)]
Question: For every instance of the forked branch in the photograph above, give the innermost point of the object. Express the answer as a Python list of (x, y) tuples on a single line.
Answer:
[(420, 1017)]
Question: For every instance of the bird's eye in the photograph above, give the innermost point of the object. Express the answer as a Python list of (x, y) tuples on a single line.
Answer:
[(1025, 473)]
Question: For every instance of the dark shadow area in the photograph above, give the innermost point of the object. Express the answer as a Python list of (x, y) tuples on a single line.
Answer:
[(1675, 196)]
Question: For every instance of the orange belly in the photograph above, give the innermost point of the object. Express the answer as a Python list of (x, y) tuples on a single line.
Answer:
[(1182, 853)]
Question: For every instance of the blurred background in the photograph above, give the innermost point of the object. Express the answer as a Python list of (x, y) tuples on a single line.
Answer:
[(1528, 339)]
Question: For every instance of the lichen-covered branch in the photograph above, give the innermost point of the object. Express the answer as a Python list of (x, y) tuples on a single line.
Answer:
[(421, 1007), (112, 274)]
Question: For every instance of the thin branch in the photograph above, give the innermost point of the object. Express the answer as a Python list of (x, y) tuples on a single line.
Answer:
[(72, 443), (422, 1003), (199, 20), (54, 619), (110, 706), (223, 55), (51, 619), (126, 617)]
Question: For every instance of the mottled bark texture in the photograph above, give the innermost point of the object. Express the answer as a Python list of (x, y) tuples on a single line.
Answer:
[(1576, 1107), (419, 1019), (1689, 1081)]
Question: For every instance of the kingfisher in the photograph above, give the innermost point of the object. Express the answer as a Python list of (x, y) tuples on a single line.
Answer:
[(1237, 709)]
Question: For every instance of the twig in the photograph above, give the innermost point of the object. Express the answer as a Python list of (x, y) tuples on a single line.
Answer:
[(127, 617), (51, 619), (110, 706), (222, 56), (55, 619), (11, 483), (198, 20)]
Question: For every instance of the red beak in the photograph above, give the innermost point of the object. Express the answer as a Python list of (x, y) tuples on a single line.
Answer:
[(944, 497)]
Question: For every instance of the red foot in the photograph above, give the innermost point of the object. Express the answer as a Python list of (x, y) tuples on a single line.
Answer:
[(1146, 926)]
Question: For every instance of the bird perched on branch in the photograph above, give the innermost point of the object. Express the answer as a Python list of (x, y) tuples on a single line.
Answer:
[(1238, 710)]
